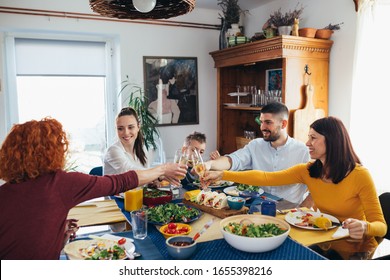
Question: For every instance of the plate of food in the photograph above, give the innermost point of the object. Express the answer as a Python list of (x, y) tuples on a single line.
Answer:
[(235, 190), (311, 220), (215, 185), (250, 188), (91, 249), (172, 212), (232, 191)]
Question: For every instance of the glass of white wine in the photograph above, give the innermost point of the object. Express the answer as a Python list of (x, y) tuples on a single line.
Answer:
[(199, 166), (181, 156)]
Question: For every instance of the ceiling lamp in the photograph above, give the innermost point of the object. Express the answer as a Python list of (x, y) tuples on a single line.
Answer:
[(142, 9)]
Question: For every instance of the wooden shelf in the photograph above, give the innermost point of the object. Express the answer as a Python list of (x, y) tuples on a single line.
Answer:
[(242, 107), (247, 64)]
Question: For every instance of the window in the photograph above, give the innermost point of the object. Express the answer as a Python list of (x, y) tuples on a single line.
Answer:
[(66, 80), (369, 107)]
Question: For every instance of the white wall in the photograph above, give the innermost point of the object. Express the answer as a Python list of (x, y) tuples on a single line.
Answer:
[(138, 40), (318, 14)]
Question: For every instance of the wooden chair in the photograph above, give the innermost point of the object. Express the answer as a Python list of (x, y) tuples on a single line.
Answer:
[(384, 199)]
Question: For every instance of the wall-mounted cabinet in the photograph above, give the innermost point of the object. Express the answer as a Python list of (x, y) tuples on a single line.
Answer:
[(247, 64)]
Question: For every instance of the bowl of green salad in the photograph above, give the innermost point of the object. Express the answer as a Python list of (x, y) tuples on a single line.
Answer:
[(153, 197), (254, 233)]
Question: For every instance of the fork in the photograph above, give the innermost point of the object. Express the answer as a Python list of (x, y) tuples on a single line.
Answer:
[(282, 212)]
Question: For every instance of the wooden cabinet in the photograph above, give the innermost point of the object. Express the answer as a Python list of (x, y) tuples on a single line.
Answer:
[(247, 64)]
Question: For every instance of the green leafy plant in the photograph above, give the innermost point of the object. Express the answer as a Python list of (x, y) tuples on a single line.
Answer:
[(138, 100), (231, 11), (277, 18)]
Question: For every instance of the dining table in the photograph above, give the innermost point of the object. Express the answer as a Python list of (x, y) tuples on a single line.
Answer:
[(301, 244)]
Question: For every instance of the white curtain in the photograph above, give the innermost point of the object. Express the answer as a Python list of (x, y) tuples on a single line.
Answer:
[(369, 125)]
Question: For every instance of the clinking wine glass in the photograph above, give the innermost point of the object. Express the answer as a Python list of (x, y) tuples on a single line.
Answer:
[(200, 167), (181, 156)]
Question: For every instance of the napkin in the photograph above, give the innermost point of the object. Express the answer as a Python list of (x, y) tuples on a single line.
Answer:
[(340, 232)]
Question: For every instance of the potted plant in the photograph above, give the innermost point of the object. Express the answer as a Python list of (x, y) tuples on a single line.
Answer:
[(283, 21), (231, 11), (230, 17), (139, 102), (327, 31)]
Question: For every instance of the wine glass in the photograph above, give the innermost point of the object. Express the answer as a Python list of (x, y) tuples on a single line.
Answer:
[(199, 166), (181, 156)]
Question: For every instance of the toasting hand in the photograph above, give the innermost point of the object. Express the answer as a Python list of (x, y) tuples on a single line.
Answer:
[(211, 176)]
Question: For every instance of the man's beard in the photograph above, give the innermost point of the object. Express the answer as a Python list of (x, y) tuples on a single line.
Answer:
[(272, 136)]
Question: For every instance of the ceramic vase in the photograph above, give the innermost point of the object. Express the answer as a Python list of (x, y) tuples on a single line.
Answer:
[(284, 30), (223, 35), (234, 29)]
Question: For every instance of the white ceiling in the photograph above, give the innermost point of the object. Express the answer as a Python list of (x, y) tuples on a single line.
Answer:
[(244, 4)]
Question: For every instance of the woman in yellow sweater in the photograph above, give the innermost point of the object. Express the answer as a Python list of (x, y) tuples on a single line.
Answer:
[(339, 184)]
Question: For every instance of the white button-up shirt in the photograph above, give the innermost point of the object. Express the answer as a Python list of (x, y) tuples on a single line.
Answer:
[(117, 160)]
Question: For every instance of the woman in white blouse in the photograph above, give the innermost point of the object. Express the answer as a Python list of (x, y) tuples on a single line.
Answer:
[(128, 152)]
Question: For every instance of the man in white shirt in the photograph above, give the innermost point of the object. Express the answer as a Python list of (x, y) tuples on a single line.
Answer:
[(275, 151)]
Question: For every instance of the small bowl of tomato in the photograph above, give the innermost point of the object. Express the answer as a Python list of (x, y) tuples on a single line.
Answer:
[(175, 229)]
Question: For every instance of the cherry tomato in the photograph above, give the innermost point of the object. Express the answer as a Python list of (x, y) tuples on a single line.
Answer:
[(122, 241), (172, 225), (183, 230), (170, 231)]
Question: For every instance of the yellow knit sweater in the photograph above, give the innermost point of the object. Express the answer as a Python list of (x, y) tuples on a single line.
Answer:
[(354, 197)]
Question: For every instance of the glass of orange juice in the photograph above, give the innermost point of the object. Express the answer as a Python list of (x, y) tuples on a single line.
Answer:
[(134, 199)]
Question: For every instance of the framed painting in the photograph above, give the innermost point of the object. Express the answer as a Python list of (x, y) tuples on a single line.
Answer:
[(171, 85), (273, 79)]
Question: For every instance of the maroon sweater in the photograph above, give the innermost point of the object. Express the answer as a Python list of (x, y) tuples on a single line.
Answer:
[(33, 213)]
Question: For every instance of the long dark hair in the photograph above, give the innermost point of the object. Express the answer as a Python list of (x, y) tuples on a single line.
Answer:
[(139, 141), (340, 155)]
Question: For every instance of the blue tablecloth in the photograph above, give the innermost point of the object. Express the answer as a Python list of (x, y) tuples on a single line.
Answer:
[(220, 249)]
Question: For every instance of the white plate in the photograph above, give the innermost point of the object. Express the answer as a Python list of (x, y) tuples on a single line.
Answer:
[(72, 249), (120, 195), (221, 185), (294, 218), (232, 191), (261, 191), (238, 93)]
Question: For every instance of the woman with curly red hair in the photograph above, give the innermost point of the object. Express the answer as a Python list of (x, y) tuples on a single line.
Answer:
[(38, 193)]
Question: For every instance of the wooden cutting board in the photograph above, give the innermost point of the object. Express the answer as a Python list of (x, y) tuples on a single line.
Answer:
[(94, 213), (220, 213), (303, 118)]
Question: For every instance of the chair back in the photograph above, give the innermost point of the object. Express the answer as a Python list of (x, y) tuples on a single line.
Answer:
[(98, 171), (384, 200)]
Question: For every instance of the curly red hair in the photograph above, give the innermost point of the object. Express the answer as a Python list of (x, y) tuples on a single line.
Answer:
[(32, 149)]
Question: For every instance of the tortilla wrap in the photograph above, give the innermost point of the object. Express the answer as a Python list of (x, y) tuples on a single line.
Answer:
[(220, 201), (208, 201), (201, 196)]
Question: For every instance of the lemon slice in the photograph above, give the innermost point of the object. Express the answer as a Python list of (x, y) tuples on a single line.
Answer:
[(323, 222)]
